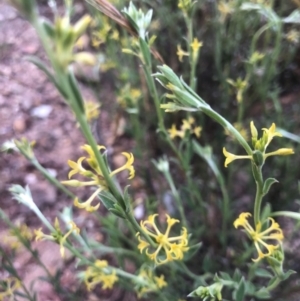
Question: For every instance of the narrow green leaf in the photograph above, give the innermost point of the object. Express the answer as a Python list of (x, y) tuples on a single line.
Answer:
[(144, 47), (75, 90), (263, 293), (50, 76), (107, 199), (263, 273), (241, 290), (267, 185)]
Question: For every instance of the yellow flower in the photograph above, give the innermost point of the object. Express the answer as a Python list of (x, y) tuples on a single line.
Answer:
[(115, 35), (196, 45), (173, 132), (231, 157), (185, 5), (146, 283), (100, 273), (240, 86), (92, 110), (181, 53), (255, 57), (225, 9), (57, 236), (12, 238), (293, 36), (95, 175), (259, 237), (260, 145), (172, 248), (10, 284), (197, 131)]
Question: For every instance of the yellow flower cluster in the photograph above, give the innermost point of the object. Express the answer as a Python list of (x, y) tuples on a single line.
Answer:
[(188, 125), (12, 239), (168, 248), (260, 145), (195, 46), (92, 110), (293, 36), (225, 9), (65, 36), (185, 6), (100, 273), (259, 236), (128, 97), (95, 175), (58, 235), (146, 283), (11, 285), (241, 129), (100, 34)]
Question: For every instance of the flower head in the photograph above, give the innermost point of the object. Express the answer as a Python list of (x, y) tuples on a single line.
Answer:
[(8, 288), (100, 273), (168, 248), (95, 175), (260, 146), (57, 235), (188, 125), (92, 110), (240, 86), (196, 45), (259, 236), (146, 282), (13, 238), (181, 53)]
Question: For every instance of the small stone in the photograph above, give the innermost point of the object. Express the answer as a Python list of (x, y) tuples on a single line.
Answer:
[(42, 111), (19, 124), (30, 179)]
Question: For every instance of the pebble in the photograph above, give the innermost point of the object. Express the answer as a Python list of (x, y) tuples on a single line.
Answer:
[(42, 111), (19, 124)]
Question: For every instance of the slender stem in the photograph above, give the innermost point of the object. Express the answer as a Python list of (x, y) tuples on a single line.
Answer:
[(257, 174), (182, 266), (273, 285), (138, 228), (91, 140), (52, 179), (154, 94), (227, 125), (86, 261), (193, 62), (176, 196), (64, 81), (6, 257)]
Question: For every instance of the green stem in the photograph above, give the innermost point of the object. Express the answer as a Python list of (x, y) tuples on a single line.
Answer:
[(50, 178), (257, 174), (154, 95), (138, 228), (273, 285), (63, 76), (177, 197), (182, 266), (227, 125), (193, 63)]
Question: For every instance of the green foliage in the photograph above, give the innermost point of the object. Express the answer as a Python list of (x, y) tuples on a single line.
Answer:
[(236, 52)]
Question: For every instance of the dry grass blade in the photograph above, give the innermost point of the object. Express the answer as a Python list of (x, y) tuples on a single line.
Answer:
[(111, 12)]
